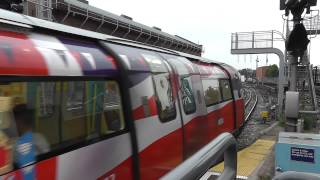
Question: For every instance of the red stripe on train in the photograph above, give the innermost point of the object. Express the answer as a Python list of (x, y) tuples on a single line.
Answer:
[(122, 171), (161, 156), (240, 112), (18, 55), (139, 113), (43, 170)]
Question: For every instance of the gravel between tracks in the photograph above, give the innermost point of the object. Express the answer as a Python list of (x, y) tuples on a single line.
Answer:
[(251, 131)]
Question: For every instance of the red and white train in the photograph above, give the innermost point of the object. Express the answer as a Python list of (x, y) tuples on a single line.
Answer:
[(108, 108)]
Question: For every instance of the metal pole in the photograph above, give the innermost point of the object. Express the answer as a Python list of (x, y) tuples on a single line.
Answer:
[(293, 61), (291, 123)]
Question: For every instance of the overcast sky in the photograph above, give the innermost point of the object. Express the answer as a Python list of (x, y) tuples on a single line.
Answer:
[(209, 22)]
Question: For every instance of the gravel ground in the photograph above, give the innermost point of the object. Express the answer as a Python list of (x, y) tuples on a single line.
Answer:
[(251, 131)]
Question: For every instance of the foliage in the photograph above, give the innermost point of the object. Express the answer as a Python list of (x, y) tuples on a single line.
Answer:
[(247, 73), (272, 71), (282, 121), (308, 121)]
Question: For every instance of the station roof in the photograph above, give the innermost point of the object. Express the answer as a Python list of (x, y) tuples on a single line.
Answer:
[(187, 45), (125, 20)]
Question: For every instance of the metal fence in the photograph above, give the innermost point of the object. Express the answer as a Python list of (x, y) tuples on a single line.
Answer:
[(256, 39), (311, 24)]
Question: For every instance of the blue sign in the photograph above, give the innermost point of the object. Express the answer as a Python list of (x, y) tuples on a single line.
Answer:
[(302, 154)]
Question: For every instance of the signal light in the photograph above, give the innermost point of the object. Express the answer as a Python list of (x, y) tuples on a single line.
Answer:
[(17, 8), (298, 40), (12, 5), (16, 1), (5, 4), (290, 4)]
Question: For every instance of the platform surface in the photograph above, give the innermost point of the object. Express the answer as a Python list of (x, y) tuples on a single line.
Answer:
[(250, 158)]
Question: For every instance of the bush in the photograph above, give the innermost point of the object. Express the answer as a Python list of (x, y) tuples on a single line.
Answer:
[(308, 121), (282, 121)]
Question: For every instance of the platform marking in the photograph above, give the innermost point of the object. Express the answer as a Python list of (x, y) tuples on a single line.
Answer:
[(250, 158)]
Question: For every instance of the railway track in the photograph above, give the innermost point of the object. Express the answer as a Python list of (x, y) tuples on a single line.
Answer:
[(251, 103), (248, 98)]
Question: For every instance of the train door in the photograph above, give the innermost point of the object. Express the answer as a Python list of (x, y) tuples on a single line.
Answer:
[(155, 111), (236, 86), (212, 99), (227, 107), (190, 99)]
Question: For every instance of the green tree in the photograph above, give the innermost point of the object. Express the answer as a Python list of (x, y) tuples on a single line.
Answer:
[(272, 71)]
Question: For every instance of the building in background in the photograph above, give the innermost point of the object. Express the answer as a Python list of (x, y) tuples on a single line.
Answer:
[(261, 73)]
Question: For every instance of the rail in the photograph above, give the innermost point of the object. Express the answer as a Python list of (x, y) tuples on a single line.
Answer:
[(247, 102), (292, 175), (252, 109), (198, 164), (263, 42)]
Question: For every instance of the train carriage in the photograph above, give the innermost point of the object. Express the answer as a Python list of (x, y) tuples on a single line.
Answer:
[(103, 107)]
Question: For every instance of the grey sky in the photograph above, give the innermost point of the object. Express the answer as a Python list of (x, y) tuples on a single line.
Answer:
[(208, 22)]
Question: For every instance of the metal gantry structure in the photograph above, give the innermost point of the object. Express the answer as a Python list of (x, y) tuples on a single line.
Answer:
[(262, 42), (299, 75)]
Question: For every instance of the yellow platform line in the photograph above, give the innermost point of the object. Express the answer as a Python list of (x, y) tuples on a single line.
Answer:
[(250, 157)]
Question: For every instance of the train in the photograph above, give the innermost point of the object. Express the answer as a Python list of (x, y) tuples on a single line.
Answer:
[(102, 107)]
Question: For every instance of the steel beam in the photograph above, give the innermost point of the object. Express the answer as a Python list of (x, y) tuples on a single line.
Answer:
[(282, 80)]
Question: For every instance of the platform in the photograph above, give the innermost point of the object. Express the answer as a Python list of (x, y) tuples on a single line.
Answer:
[(249, 158)]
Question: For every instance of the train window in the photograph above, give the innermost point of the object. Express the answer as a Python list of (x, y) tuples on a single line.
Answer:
[(74, 114), (212, 93), (47, 99), (112, 109), (188, 100), (163, 88), (47, 117), (165, 101), (226, 89), (74, 92)]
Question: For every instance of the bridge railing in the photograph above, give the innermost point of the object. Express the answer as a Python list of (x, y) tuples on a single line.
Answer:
[(256, 39), (197, 165)]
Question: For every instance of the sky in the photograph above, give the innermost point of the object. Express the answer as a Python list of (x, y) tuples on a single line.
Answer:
[(210, 23)]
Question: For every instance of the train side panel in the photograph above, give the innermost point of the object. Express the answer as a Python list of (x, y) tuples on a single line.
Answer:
[(156, 111), (192, 107), (236, 86), (47, 74)]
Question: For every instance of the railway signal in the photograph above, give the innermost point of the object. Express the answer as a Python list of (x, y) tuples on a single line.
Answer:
[(296, 45), (12, 5)]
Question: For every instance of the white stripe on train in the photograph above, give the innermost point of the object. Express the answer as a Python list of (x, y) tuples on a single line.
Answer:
[(142, 89), (57, 57), (93, 161)]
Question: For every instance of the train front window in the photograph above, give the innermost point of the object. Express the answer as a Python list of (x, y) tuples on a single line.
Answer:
[(226, 89), (50, 118)]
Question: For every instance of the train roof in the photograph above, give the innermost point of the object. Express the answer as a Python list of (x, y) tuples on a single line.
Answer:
[(19, 22)]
